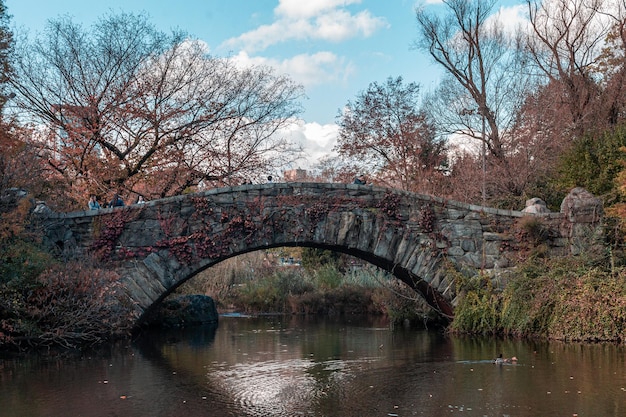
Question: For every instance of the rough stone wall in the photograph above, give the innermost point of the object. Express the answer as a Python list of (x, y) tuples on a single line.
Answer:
[(582, 226), (158, 245)]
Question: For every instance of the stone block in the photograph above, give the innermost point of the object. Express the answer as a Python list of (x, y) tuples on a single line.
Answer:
[(468, 245), (455, 251)]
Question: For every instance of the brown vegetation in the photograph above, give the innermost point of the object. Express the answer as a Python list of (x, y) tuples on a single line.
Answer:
[(138, 111)]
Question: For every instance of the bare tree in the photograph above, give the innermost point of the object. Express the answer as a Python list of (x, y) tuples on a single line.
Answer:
[(486, 81), (610, 68), (389, 137), (565, 44), (6, 45), (131, 107)]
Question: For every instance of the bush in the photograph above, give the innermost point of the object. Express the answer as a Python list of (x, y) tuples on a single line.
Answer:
[(477, 310), (562, 299), (344, 300), (328, 277), (271, 294), (69, 305)]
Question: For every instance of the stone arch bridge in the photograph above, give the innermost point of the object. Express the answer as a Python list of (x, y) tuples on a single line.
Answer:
[(157, 246)]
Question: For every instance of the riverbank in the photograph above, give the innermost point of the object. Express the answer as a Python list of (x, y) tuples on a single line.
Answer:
[(570, 299)]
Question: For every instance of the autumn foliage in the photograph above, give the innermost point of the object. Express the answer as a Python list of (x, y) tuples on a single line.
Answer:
[(123, 107)]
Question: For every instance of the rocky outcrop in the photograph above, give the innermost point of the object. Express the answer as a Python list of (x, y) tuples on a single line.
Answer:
[(583, 213), (184, 310), (580, 206)]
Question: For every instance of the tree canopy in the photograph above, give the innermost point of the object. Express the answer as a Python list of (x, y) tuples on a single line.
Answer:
[(129, 108), (386, 135)]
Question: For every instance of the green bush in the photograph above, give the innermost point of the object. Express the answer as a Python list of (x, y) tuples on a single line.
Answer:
[(594, 162), (270, 294), (21, 262), (327, 277), (477, 311), (563, 299)]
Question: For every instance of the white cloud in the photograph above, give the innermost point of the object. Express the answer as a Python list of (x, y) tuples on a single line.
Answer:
[(298, 9), (460, 143), (306, 69), (316, 19), (512, 18), (316, 139)]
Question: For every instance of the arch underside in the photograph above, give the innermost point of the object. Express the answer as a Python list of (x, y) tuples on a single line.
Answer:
[(431, 295), (169, 281)]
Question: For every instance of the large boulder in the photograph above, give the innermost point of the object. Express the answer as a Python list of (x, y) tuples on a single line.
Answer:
[(583, 223), (184, 310), (580, 206)]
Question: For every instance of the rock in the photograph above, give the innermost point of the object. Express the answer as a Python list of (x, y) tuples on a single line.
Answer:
[(580, 206), (41, 208), (184, 310), (536, 205)]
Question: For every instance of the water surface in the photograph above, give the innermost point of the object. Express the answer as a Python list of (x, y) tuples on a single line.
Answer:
[(291, 366)]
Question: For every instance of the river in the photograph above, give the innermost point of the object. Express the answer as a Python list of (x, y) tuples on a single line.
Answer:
[(293, 366)]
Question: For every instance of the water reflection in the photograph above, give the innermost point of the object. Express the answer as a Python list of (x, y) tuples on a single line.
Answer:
[(275, 366)]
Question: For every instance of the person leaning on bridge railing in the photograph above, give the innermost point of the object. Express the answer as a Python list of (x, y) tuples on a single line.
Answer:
[(360, 179), (116, 201), (93, 203)]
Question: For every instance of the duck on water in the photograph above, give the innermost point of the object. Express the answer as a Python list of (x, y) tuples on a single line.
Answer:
[(501, 361)]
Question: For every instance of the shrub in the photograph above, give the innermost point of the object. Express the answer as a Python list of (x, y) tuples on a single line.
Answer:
[(477, 310), (563, 299), (69, 305), (533, 230), (328, 277), (271, 294)]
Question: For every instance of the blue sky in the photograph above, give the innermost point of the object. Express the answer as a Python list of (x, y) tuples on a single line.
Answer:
[(335, 48)]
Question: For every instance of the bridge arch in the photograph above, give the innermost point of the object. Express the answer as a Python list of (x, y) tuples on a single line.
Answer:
[(157, 246)]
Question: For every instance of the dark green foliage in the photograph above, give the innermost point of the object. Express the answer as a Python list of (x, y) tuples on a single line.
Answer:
[(313, 258), (594, 164), (21, 262)]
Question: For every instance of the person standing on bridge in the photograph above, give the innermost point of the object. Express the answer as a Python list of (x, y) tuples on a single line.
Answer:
[(116, 201), (360, 180), (93, 203)]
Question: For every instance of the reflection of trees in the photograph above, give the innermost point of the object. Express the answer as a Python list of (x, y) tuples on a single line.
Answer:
[(288, 364), (285, 365)]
